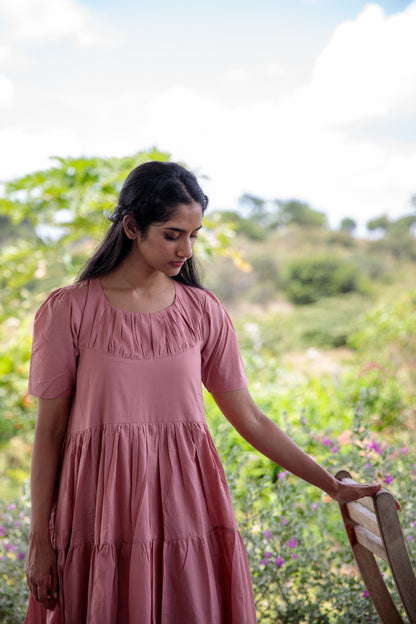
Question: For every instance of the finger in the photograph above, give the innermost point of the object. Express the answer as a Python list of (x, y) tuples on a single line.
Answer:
[(43, 594), (54, 585)]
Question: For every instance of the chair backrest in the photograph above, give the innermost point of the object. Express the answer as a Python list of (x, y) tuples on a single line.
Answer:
[(373, 528)]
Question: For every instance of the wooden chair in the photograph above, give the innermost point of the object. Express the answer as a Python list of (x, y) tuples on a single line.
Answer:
[(373, 528)]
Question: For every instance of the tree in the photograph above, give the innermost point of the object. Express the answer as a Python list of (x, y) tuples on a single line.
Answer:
[(300, 213), (348, 225), (381, 223)]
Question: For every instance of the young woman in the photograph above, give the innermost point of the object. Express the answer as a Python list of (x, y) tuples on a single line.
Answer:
[(132, 520)]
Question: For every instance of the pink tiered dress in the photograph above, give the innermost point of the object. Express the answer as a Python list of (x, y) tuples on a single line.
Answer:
[(142, 520)]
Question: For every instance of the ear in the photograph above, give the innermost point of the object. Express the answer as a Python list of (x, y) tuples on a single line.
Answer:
[(129, 227)]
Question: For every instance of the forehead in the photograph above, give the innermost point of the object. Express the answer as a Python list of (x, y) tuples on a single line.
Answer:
[(185, 217)]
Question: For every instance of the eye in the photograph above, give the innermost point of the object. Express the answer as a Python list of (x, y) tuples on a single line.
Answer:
[(194, 236), (171, 238)]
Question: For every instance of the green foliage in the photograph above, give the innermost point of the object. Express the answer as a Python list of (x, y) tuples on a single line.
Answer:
[(14, 535), (388, 337), (312, 279), (348, 225), (289, 528), (300, 213)]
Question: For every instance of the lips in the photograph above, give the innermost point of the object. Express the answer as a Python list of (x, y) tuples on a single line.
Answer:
[(177, 264)]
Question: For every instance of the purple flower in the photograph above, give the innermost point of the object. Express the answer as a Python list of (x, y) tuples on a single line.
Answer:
[(279, 562), (264, 561), (17, 524), (410, 538), (365, 594), (294, 556), (12, 507), (268, 554), (327, 442), (292, 543), (284, 520), (375, 446), (334, 449), (2, 531), (388, 479), (267, 535), (314, 506), (281, 475), (20, 555), (405, 450)]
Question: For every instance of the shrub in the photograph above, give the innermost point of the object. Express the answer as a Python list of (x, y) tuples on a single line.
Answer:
[(311, 280), (14, 534)]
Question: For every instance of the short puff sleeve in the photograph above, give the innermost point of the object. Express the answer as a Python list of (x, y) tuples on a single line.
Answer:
[(55, 350), (222, 365)]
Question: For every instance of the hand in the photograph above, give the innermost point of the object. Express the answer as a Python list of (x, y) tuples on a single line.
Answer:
[(41, 573), (347, 492)]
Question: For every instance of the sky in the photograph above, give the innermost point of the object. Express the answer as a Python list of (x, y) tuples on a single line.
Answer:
[(306, 99)]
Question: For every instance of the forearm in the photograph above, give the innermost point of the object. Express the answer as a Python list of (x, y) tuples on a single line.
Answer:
[(262, 433), (265, 436), (49, 433)]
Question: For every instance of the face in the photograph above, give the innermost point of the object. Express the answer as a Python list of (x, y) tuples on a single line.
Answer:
[(166, 246)]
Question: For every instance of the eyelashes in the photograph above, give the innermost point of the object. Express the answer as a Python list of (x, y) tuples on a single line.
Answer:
[(174, 238)]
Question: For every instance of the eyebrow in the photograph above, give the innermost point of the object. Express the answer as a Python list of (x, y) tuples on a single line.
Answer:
[(175, 229)]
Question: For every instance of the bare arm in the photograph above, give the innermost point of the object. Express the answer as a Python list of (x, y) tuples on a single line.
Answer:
[(262, 433), (41, 561)]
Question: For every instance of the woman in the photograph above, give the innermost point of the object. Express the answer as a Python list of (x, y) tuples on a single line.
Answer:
[(131, 516)]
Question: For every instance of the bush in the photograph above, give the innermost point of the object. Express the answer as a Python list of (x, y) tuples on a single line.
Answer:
[(311, 280), (14, 535), (301, 564)]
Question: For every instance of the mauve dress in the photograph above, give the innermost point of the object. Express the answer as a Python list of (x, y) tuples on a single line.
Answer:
[(142, 520)]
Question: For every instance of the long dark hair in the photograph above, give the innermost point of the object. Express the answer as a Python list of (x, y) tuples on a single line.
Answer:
[(151, 193)]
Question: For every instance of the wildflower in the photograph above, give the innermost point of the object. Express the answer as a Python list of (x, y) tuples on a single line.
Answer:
[(284, 520), (20, 555), (414, 523), (12, 507), (375, 446), (327, 442), (294, 555), (292, 543), (410, 538), (267, 535), (279, 562), (388, 479), (314, 506), (365, 594), (281, 475), (266, 558), (334, 449), (405, 450), (2, 531), (17, 524)]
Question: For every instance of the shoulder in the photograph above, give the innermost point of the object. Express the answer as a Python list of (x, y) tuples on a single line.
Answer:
[(67, 299), (201, 298)]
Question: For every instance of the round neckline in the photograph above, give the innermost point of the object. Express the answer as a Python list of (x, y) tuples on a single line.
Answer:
[(109, 304)]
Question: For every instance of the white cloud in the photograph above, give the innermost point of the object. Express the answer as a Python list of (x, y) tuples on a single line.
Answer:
[(23, 152), (367, 68), (6, 92), (238, 74), (44, 20)]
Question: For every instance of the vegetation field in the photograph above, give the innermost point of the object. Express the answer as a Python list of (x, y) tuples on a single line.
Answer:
[(327, 327)]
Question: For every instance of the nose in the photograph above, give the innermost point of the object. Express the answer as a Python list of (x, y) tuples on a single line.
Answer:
[(185, 248)]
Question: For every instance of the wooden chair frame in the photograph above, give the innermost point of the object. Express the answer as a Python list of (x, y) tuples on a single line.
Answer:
[(373, 528)]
